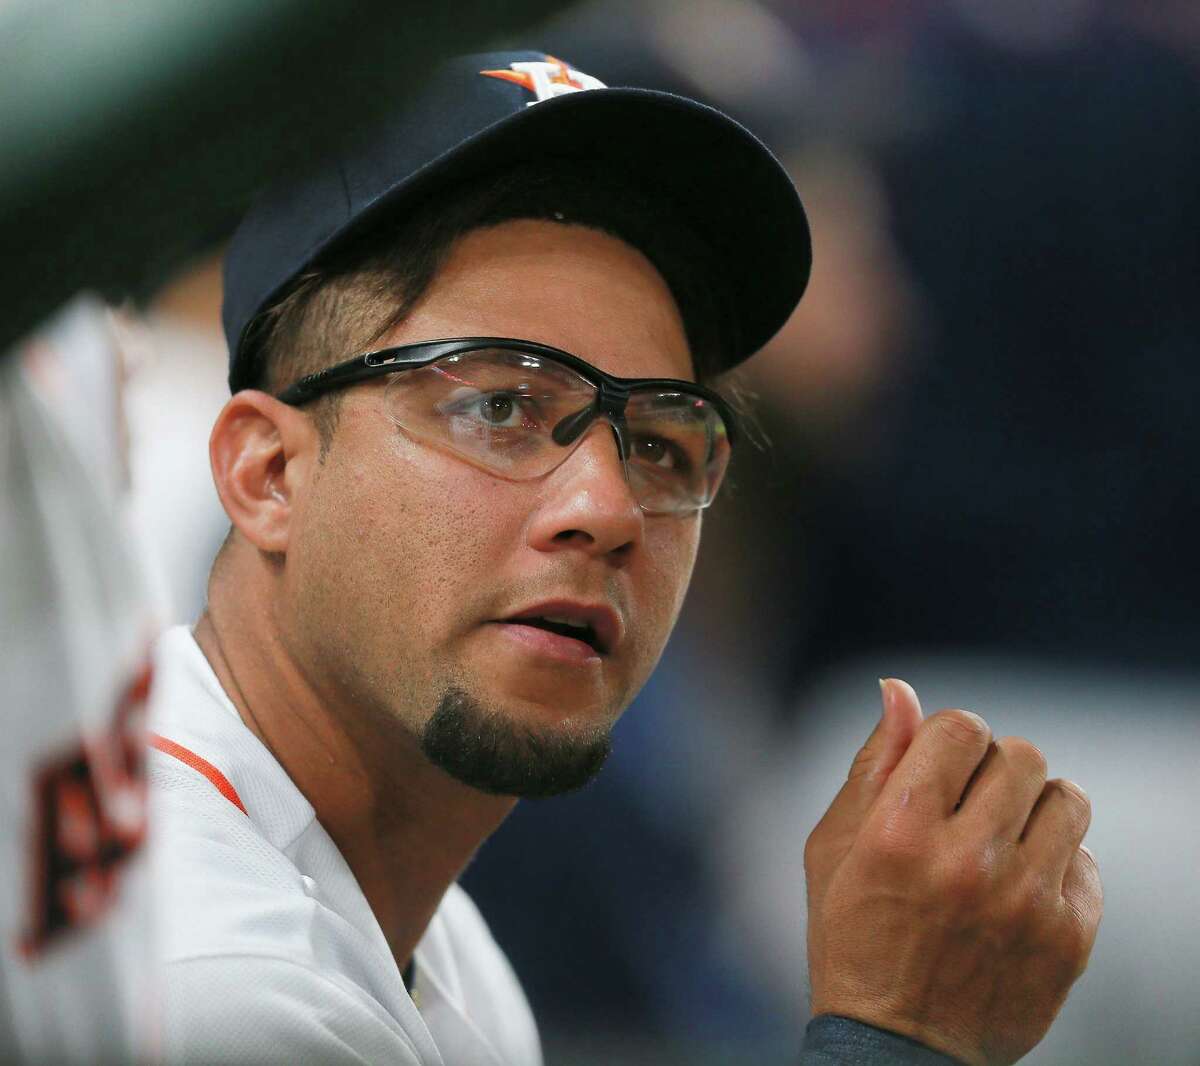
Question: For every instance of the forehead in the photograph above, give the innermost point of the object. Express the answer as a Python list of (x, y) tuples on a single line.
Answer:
[(568, 286)]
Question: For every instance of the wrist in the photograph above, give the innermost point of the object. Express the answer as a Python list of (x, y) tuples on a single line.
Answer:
[(951, 1047), (853, 1041)]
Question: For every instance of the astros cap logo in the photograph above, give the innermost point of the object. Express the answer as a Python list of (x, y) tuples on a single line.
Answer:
[(546, 79)]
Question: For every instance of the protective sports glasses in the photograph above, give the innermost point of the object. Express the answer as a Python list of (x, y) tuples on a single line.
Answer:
[(518, 409)]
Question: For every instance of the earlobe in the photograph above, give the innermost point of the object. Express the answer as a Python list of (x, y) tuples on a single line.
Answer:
[(256, 450)]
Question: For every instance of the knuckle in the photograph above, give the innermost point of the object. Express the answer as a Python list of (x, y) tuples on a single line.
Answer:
[(1082, 906), (1027, 752), (864, 763), (962, 727), (816, 842), (1077, 801), (812, 849), (1089, 874), (1083, 911), (896, 841), (1072, 791)]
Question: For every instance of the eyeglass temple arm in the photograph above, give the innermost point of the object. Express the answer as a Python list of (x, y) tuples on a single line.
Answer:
[(361, 368)]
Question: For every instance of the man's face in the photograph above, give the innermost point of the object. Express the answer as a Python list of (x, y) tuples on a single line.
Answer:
[(403, 560)]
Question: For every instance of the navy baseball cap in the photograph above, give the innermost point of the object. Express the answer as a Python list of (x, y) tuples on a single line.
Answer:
[(481, 113)]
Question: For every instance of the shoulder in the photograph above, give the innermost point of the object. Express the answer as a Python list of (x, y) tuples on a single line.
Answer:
[(227, 889), (223, 817), (257, 965), (263, 1009), (222, 883)]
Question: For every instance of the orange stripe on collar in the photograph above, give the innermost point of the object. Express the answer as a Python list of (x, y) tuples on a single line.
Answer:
[(190, 758)]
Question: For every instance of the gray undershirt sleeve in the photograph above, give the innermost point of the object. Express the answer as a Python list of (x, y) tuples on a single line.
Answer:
[(831, 1040)]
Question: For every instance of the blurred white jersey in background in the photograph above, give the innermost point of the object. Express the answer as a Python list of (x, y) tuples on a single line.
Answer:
[(76, 933)]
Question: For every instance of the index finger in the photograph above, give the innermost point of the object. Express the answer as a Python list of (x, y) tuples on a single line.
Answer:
[(929, 780)]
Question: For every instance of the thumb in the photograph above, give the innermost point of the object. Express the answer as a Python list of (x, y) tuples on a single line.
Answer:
[(875, 760), (898, 724)]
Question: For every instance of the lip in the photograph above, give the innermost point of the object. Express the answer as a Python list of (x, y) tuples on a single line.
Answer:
[(605, 622), (547, 645)]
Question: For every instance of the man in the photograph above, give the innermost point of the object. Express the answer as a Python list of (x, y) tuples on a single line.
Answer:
[(465, 461)]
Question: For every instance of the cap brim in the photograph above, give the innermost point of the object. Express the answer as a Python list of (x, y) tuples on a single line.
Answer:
[(724, 183)]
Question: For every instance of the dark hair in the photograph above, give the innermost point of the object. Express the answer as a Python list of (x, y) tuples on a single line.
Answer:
[(356, 295)]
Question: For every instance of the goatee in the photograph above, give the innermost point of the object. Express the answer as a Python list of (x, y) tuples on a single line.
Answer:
[(488, 751)]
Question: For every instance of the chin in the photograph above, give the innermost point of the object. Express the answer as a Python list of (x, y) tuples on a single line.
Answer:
[(532, 752), (547, 698)]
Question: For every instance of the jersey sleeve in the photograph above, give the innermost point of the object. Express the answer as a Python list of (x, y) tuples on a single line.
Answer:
[(259, 1009)]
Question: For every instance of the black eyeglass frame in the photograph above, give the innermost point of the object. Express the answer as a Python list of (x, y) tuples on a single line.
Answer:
[(612, 394)]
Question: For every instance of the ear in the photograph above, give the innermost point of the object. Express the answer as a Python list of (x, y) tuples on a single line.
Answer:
[(261, 452)]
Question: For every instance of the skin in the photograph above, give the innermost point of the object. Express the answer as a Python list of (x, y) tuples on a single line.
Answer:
[(949, 896), (356, 589)]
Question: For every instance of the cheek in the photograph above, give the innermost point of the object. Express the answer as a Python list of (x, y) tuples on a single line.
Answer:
[(341, 563), (671, 548), (400, 546), (450, 539)]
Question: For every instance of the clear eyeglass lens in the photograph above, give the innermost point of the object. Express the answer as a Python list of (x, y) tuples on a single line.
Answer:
[(492, 406), (678, 450), (498, 408)]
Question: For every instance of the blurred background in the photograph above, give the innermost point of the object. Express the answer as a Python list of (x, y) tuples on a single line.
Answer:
[(976, 454)]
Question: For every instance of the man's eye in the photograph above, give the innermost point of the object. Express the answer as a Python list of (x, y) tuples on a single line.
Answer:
[(500, 410), (662, 453)]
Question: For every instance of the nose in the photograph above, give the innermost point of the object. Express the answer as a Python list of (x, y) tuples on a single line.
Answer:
[(587, 504)]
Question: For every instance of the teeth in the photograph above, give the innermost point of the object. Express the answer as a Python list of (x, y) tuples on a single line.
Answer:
[(565, 621)]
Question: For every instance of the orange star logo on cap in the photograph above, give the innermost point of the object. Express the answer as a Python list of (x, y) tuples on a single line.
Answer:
[(546, 79)]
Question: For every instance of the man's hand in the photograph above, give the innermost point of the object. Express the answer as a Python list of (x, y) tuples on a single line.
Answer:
[(949, 897)]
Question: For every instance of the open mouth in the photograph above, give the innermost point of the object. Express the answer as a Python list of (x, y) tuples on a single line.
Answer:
[(564, 627), (570, 628)]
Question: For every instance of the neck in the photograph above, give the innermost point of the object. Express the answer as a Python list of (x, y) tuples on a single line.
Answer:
[(405, 828)]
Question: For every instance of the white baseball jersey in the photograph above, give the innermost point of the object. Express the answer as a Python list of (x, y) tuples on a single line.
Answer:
[(77, 981), (272, 953)]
